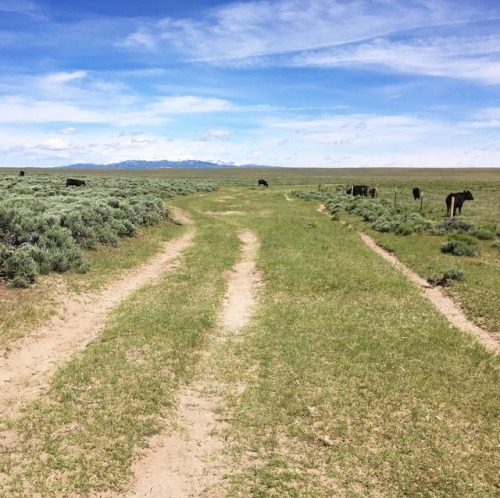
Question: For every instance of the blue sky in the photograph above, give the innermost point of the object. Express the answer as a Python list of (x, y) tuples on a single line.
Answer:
[(300, 83)]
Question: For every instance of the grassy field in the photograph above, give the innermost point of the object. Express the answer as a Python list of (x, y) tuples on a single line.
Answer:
[(354, 384)]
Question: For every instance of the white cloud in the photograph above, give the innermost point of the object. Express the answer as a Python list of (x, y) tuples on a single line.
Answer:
[(253, 29), (413, 37), (492, 123), (140, 39), (20, 110), (344, 128), (115, 109), (56, 144), (488, 113), (70, 130), (22, 7), (62, 77), (475, 59), (188, 104), (216, 135)]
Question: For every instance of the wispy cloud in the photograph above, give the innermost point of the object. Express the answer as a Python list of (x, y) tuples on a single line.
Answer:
[(255, 29), (216, 135), (23, 7), (476, 58), (100, 110), (188, 104), (140, 39), (17, 110)]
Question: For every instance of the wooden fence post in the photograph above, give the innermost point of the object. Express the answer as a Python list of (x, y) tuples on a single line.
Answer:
[(452, 206), (421, 200)]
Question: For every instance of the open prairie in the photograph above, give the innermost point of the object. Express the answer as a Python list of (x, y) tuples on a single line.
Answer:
[(256, 345)]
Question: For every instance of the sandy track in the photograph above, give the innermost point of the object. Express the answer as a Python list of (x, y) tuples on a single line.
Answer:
[(444, 304), (25, 371), (188, 461)]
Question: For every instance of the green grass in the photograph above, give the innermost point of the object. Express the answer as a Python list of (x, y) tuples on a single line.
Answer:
[(107, 262), (348, 350), (24, 309), (355, 385)]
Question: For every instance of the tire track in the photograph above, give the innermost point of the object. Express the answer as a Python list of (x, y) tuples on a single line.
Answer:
[(188, 462), (446, 306), (25, 371), (443, 304)]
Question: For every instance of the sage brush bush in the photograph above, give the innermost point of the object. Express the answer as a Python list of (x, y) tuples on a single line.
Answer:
[(380, 213), (461, 245), (458, 225), (45, 226), (447, 277), (484, 233), (454, 274)]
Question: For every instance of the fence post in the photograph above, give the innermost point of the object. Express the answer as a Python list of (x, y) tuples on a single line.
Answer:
[(395, 196), (452, 206), (421, 200)]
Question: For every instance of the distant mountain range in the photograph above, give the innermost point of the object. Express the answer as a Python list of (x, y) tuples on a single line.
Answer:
[(137, 164)]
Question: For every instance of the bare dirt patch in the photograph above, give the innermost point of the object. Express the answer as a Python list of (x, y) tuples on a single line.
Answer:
[(288, 198), (225, 213), (26, 367), (243, 282), (444, 304), (189, 461)]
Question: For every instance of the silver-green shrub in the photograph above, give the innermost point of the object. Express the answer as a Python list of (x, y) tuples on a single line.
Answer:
[(45, 226)]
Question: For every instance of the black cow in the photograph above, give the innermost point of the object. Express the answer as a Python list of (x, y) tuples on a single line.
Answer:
[(71, 182), (460, 198), (262, 182), (358, 190), (373, 192), (416, 193), (21, 173)]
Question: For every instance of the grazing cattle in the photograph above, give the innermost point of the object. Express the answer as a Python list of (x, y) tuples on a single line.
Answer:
[(373, 192), (416, 193), (358, 190), (71, 182), (460, 198), (21, 173), (263, 183)]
